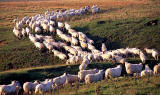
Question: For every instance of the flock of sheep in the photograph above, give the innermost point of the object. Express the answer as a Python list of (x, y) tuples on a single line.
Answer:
[(74, 47)]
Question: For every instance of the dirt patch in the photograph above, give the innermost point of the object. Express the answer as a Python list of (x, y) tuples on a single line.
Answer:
[(3, 42)]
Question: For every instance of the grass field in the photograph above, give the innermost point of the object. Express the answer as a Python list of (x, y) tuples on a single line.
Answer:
[(124, 24)]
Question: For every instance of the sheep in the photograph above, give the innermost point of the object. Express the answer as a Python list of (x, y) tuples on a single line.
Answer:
[(70, 79), (24, 33), (142, 57), (83, 66), (74, 41), (67, 26), (59, 32), (103, 48), (39, 45), (146, 72), (62, 56), (133, 68), (83, 73), (39, 37), (38, 30), (45, 27), (28, 31), (119, 59), (153, 52), (90, 41), (32, 38), (83, 44), (44, 87), (157, 69), (51, 29), (60, 25), (95, 9), (73, 33), (90, 46), (78, 48), (48, 45), (29, 87), (17, 33), (113, 72), (60, 80), (10, 89), (52, 23), (94, 77)]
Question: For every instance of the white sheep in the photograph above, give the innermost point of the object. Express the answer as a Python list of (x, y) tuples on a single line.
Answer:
[(157, 69), (153, 52), (103, 48), (60, 25), (29, 87), (38, 30), (32, 38), (119, 59), (48, 45), (83, 66), (51, 29), (133, 68), (74, 41), (10, 89), (113, 72), (70, 79), (28, 31), (142, 57), (44, 87), (83, 73), (17, 33), (60, 80), (94, 77), (24, 33), (147, 71), (83, 44), (67, 26), (39, 45)]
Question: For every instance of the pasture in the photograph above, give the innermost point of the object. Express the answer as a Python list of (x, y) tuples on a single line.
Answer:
[(119, 24)]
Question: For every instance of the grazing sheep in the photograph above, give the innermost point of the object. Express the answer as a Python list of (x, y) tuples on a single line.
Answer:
[(74, 41), (32, 38), (70, 79), (29, 87), (10, 89), (44, 87), (39, 45), (38, 30), (113, 72), (83, 73), (48, 45), (67, 26), (83, 44), (157, 69), (24, 33), (83, 66), (94, 77), (133, 68), (51, 29), (60, 25), (60, 80), (147, 71), (142, 57), (103, 48), (28, 31), (119, 59), (17, 33), (153, 52)]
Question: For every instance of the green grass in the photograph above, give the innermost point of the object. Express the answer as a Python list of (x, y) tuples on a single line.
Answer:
[(115, 34)]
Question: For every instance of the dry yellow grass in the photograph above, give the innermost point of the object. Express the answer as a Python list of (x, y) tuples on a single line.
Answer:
[(115, 9)]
